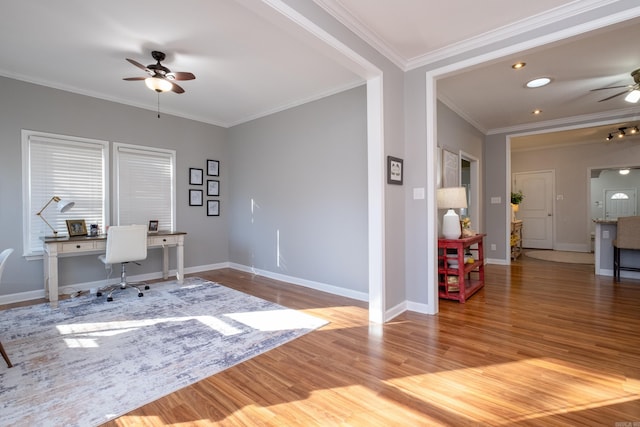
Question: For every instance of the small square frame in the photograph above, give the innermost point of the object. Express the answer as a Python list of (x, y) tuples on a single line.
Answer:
[(195, 197), (213, 187), (395, 170), (213, 168), (213, 207), (195, 176), (153, 226), (76, 227)]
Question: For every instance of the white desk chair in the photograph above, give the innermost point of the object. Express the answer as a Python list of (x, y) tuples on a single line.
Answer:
[(125, 243), (3, 260)]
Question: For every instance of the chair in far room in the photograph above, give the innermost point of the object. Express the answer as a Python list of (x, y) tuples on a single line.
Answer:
[(3, 260), (125, 244), (628, 238)]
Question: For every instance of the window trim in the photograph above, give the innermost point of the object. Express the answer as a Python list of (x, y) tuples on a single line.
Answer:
[(117, 146), (27, 206)]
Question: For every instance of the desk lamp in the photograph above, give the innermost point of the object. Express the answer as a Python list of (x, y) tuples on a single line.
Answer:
[(451, 198), (63, 206)]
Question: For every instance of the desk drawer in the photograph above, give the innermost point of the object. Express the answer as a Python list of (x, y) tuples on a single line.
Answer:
[(163, 240), (71, 247)]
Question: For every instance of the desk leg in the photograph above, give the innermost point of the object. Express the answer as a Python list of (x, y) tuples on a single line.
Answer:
[(165, 262), (50, 266), (180, 262)]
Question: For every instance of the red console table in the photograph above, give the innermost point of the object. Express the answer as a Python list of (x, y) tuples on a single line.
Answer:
[(457, 279)]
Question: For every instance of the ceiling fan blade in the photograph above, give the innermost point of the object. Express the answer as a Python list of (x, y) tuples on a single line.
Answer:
[(139, 65), (610, 87), (175, 88), (134, 78), (613, 96), (180, 75)]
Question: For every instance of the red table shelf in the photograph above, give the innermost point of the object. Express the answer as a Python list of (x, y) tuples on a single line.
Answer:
[(460, 282)]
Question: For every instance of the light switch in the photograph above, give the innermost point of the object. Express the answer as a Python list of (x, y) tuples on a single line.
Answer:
[(418, 193), (496, 200)]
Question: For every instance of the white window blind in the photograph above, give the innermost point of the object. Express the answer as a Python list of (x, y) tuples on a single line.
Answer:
[(70, 168), (145, 185)]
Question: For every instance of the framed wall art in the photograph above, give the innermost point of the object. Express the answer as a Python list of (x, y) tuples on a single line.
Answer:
[(213, 168), (195, 176), (213, 208), (213, 187), (195, 197), (76, 227), (450, 170), (153, 226), (394, 170)]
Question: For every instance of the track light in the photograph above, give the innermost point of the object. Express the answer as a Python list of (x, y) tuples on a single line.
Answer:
[(621, 133), (610, 137), (634, 129)]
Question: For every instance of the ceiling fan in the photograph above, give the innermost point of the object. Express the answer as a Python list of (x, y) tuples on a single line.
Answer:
[(632, 90), (161, 78)]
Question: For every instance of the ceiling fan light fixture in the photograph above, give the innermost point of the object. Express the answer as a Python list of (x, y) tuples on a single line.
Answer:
[(158, 84), (536, 112), (539, 82), (633, 96)]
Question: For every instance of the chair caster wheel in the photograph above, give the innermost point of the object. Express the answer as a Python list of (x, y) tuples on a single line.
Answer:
[(140, 294), (98, 294), (109, 298), (146, 287)]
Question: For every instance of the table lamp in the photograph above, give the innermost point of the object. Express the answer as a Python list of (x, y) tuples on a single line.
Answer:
[(63, 206), (451, 198)]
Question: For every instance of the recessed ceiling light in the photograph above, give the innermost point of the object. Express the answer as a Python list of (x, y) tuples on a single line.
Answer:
[(536, 111), (624, 171), (518, 65), (542, 81)]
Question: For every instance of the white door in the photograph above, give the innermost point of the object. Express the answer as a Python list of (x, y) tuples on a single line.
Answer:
[(536, 209), (619, 203)]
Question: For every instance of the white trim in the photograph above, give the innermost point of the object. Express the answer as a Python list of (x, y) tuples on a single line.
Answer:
[(431, 101)]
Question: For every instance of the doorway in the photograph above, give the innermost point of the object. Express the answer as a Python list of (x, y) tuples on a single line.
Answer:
[(537, 207)]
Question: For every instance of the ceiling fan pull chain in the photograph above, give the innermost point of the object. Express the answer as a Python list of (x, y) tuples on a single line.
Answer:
[(158, 104)]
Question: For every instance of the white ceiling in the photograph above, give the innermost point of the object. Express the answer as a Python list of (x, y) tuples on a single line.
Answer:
[(250, 61)]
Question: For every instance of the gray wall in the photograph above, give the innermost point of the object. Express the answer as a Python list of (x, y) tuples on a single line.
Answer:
[(302, 173), (28, 106)]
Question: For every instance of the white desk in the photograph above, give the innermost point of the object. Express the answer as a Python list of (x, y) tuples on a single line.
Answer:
[(77, 246)]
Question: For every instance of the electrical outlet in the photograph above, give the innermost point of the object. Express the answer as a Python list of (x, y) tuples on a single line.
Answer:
[(493, 246)]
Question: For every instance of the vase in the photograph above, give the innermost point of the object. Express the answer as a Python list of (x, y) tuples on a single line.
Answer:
[(514, 209)]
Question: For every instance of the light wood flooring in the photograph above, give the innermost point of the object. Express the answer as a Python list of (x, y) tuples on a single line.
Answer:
[(543, 344)]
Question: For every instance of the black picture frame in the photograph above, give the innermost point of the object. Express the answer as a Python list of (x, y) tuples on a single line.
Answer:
[(213, 207), (213, 187), (395, 170), (195, 176), (213, 168), (76, 227), (195, 197), (153, 226)]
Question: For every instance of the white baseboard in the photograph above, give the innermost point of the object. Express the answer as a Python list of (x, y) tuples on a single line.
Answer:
[(335, 290)]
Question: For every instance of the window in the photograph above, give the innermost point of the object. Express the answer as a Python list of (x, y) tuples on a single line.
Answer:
[(144, 185), (619, 196), (71, 168)]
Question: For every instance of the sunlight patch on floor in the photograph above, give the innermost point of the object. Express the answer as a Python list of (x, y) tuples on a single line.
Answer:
[(505, 393)]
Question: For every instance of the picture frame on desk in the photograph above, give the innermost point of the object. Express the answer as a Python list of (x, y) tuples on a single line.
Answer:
[(195, 197), (76, 227), (153, 226)]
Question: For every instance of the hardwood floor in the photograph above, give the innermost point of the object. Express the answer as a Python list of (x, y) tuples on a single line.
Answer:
[(543, 344)]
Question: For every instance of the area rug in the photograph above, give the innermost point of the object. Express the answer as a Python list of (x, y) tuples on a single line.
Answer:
[(89, 361), (562, 256)]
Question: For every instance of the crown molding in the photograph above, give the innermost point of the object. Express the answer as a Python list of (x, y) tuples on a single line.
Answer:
[(339, 12)]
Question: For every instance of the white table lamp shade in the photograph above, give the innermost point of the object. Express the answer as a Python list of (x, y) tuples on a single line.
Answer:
[(451, 198)]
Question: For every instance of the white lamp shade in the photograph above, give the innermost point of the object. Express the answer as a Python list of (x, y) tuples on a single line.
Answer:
[(65, 205), (158, 84), (451, 197)]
